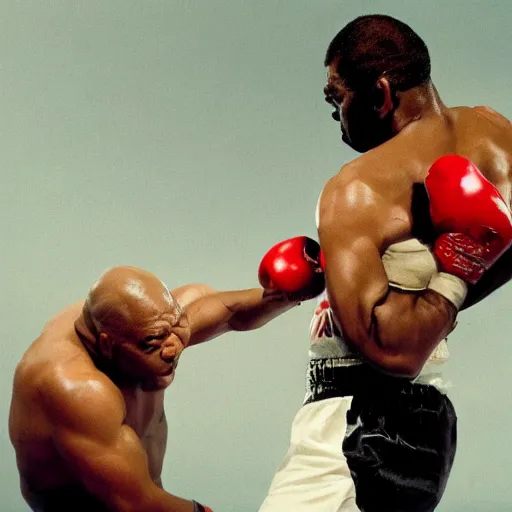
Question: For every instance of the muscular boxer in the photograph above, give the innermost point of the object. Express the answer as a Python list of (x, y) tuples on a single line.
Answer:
[(87, 413), (412, 231)]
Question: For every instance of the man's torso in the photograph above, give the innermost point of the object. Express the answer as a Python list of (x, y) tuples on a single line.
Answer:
[(42, 469), (396, 170)]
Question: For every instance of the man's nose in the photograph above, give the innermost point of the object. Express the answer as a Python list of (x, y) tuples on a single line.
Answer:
[(170, 350)]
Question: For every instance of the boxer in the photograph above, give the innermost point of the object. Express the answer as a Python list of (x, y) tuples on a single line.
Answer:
[(87, 417), (413, 231)]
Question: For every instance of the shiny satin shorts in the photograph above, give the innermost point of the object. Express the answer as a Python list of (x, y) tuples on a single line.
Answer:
[(365, 442)]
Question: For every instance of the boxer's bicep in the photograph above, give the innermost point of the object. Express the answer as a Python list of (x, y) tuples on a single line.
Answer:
[(114, 470), (187, 294), (208, 317), (106, 455), (349, 233), (236, 310)]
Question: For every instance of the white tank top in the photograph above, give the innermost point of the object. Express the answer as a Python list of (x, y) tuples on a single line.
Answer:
[(409, 265)]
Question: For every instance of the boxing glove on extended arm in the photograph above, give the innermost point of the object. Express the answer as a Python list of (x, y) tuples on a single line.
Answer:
[(293, 266), (474, 223)]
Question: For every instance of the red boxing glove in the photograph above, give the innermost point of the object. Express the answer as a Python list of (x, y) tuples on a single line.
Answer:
[(471, 215), (293, 267)]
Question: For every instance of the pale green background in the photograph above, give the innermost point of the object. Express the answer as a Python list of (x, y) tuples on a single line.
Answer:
[(186, 137)]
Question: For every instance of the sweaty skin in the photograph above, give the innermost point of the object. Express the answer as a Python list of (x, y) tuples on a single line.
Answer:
[(378, 200), (87, 414)]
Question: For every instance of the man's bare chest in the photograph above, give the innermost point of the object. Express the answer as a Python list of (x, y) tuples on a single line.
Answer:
[(144, 410)]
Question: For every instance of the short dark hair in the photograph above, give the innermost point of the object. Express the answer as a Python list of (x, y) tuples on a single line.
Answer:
[(376, 44)]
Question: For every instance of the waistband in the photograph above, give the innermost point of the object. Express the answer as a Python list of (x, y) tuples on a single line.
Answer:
[(338, 377)]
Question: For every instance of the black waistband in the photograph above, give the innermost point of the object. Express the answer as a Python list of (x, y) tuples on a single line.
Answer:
[(329, 378)]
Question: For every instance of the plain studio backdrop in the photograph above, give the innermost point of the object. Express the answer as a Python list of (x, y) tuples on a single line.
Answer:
[(186, 137)]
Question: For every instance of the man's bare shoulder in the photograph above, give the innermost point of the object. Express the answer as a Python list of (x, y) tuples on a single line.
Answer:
[(64, 318), (493, 116), (350, 197), (189, 293), (80, 397), (56, 346)]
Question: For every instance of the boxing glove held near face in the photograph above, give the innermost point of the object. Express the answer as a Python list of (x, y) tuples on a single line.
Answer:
[(473, 221)]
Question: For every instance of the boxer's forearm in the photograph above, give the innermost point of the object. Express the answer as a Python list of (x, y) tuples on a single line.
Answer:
[(253, 309), (239, 310), (403, 330)]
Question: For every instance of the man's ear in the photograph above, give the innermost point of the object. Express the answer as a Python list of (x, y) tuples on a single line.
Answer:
[(105, 345), (383, 102)]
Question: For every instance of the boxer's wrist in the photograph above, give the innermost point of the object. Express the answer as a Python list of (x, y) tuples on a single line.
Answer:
[(200, 508), (451, 287)]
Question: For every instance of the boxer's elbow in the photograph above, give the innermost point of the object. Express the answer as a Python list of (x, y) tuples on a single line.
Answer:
[(403, 365), (390, 356), (406, 329), (387, 336), (396, 350), (156, 501), (129, 502)]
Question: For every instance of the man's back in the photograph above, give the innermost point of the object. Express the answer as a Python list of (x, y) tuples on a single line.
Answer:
[(395, 171), (392, 174)]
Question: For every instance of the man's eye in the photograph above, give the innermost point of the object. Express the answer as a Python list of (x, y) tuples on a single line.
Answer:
[(162, 336), (148, 349)]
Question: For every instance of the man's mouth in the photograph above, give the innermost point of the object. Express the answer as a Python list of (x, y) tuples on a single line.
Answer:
[(335, 114), (169, 371)]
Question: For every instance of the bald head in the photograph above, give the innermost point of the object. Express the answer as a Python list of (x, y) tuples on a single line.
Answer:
[(124, 297)]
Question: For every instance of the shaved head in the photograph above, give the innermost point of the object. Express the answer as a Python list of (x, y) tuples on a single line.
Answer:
[(133, 327), (124, 297)]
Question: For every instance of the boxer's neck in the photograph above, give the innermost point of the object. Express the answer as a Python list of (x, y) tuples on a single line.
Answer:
[(86, 332), (88, 335), (415, 104)]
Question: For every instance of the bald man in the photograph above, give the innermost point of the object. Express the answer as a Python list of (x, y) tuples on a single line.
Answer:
[(87, 413)]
